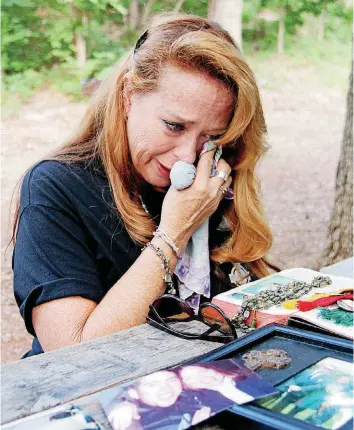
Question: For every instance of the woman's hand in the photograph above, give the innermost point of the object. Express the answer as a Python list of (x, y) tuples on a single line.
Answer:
[(184, 211)]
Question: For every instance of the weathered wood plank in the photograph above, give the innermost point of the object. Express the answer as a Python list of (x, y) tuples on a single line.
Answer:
[(57, 377)]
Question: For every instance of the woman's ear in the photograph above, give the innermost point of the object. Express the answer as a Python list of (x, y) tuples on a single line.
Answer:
[(127, 95)]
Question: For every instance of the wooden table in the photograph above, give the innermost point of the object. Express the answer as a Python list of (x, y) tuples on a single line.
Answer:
[(78, 373)]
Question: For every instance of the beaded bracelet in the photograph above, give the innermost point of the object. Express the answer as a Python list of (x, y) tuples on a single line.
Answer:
[(167, 277), (160, 233)]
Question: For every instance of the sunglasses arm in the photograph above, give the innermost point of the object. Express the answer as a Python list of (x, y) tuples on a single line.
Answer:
[(203, 336)]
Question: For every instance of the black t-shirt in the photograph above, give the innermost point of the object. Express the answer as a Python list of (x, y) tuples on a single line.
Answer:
[(71, 240)]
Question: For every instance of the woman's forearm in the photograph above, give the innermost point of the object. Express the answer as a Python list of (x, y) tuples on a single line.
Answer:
[(127, 303)]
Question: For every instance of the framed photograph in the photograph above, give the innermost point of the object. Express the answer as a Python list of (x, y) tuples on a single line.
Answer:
[(328, 359), (321, 395)]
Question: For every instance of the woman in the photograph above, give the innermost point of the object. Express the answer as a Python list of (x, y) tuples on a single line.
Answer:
[(229, 381), (84, 215)]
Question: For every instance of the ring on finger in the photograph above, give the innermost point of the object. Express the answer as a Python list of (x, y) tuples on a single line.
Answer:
[(220, 174), (223, 189)]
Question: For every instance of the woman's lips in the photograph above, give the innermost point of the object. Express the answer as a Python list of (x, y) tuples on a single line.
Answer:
[(163, 170)]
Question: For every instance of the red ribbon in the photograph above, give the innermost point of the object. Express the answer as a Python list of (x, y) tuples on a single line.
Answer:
[(304, 306)]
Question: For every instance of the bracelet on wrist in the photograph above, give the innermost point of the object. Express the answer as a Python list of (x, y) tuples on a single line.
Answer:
[(167, 277), (161, 234)]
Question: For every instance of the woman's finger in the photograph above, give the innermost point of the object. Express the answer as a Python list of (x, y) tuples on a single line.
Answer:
[(223, 188), (204, 166), (223, 171)]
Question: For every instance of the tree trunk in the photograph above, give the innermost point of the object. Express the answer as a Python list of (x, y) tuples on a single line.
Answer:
[(321, 25), (340, 234), (134, 14), (178, 5), (281, 29), (228, 13), (80, 42), (211, 8)]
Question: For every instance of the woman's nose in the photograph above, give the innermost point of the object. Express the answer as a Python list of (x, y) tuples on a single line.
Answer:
[(186, 151)]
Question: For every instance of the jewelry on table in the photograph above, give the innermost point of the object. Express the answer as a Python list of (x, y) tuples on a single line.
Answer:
[(266, 358), (274, 296), (239, 275), (347, 305), (337, 316)]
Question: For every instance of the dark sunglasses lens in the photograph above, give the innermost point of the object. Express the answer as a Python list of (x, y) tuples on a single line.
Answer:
[(212, 316), (169, 307)]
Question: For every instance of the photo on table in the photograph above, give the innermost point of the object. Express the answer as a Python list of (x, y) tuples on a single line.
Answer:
[(321, 395), (183, 396), (68, 417)]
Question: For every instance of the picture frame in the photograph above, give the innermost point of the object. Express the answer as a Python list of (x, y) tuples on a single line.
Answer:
[(305, 348)]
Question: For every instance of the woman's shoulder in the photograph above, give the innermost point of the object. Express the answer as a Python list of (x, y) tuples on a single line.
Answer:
[(58, 170), (52, 180)]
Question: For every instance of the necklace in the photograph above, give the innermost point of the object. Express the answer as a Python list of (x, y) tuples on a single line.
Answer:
[(274, 296), (144, 205)]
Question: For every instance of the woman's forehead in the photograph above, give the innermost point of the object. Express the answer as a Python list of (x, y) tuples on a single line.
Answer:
[(158, 376), (192, 95)]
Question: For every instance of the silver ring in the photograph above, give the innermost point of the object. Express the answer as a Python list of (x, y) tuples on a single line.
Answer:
[(221, 174), (223, 189)]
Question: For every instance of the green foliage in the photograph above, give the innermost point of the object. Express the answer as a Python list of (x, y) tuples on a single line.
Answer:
[(24, 41), (38, 35), (196, 7), (260, 19), (24, 84), (39, 38)]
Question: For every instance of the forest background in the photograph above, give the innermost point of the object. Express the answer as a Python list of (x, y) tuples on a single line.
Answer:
[(300, 51), (59, 43)]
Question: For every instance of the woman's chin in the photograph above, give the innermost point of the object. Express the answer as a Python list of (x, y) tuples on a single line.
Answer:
[(160, 184), (161, 189)]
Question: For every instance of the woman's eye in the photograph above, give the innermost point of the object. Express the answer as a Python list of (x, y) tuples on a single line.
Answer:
[(174, 126), (214, 136)]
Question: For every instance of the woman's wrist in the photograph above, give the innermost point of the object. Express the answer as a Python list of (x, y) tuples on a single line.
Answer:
[(178, 237), (167, 250), (166, 238)]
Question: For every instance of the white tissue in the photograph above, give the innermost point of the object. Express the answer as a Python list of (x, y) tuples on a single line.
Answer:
[(182, 175)]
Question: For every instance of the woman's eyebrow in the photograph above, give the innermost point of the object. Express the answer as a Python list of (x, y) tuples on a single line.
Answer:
[(180, 119)]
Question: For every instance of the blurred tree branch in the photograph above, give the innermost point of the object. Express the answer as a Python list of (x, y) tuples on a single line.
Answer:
[(146, 12), (178, 6)]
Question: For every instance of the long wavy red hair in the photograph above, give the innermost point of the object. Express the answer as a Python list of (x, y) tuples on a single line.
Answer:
[(201, 45)]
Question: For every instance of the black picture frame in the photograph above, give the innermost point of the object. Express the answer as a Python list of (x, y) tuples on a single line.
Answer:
[(318, 346)]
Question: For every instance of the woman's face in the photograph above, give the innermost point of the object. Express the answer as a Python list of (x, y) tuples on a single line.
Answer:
[(173, 122), (160, 389), (198, 378)]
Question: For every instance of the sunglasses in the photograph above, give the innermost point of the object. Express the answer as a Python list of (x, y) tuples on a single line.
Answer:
[(168, 309)]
